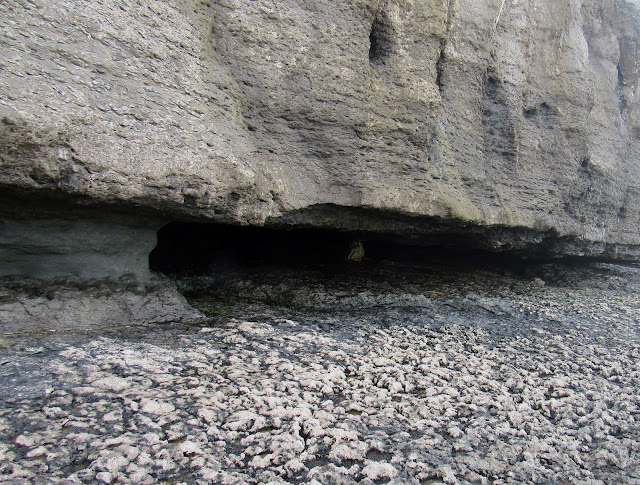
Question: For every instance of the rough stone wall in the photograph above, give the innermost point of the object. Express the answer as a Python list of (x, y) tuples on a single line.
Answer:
[(510, 113), (93, 247)]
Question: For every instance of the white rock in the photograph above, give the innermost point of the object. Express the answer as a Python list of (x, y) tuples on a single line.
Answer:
[(455, 431), (26, 440), (262, 461), (354, 450), (376, 470), (209, 415), (209, 474), (295, 465), (104, 477), (130, 452), (113, 383), (112, 460), (112, 417), (240, 420), (190, 448), (37, 452), (152, 406), (447, 474)]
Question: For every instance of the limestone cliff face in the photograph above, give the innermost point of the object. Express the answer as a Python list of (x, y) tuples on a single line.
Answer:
[(505, 113)]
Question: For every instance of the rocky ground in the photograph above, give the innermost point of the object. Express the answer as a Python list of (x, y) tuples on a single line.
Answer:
[(385, 374)]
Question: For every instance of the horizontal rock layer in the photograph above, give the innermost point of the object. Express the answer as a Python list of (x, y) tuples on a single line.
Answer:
[(31, 306), (485, 113)]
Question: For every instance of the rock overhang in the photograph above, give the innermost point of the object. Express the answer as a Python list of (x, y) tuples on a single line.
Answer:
[(416, 121)]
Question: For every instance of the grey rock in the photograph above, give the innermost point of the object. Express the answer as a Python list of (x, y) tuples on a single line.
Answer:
[(73, 247), (504, 114), (104, 477), (34, 305)]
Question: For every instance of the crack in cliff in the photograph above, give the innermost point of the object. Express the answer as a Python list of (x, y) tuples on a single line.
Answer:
[(443, 45), (440, 69), (499, 130), (497, 20), (381, 38)]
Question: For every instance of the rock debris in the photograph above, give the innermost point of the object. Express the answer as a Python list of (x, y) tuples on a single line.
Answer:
[(480, 385)]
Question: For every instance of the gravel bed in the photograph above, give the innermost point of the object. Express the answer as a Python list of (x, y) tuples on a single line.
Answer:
[(477, 378)]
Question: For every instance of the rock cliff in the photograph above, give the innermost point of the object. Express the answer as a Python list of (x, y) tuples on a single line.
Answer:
[(515, 120)]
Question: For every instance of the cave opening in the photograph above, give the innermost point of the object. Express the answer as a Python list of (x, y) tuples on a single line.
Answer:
[(224, 269), (208, 248)]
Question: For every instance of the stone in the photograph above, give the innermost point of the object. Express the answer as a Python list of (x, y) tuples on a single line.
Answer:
[(518, 119), (33, 304), (153, 406), (375, 471), (37, 452), (104, 477), (356, 252), (80, 248), (535, 393), (26, 440)]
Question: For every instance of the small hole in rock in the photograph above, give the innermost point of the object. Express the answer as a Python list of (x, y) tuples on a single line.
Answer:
[(381, 43)]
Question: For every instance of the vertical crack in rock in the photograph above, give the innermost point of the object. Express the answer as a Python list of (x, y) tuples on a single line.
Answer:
[(439, 69), (629, 61), (497, 20), (583, 192), (381, 39), (628, 71), (622, 101), (622, 213), (443, 45), (500, 143), (543, 116)]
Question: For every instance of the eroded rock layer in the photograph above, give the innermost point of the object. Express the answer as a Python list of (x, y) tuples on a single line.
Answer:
[(496, 114)]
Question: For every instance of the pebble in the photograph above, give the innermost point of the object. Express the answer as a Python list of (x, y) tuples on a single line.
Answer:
[(376, 471), (36, 452), (104, 477), (152, 406)]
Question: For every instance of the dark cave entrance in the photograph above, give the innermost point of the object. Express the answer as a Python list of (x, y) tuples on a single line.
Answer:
[(207, 248), (224, 269), (201, 248)]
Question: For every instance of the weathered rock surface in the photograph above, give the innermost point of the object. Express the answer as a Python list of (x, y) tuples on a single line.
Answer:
[(488, 112), (32, 306)]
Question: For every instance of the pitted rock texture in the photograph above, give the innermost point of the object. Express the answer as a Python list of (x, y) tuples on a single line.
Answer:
[(492, 112)]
